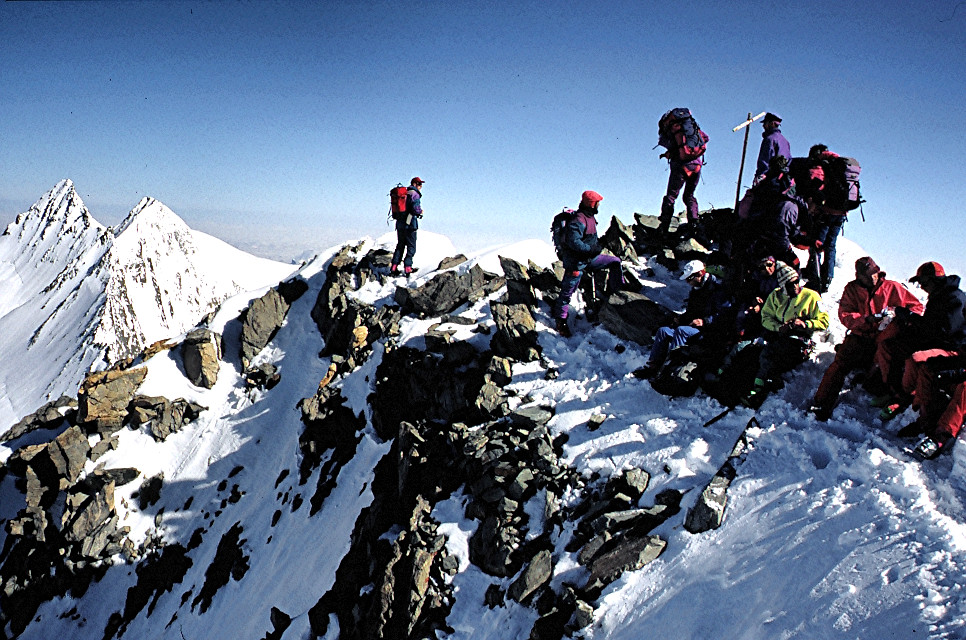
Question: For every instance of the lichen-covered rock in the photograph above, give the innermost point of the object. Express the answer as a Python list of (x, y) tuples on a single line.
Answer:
[(201, 353), (104, 397)]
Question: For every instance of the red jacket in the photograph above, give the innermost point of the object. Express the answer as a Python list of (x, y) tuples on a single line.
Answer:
[(858, 304)]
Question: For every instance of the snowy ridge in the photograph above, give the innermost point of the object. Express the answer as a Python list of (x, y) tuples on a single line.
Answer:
[(830, 531), (75, 293)]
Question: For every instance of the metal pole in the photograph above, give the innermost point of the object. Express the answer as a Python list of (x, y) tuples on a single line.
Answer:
[(744, 151)]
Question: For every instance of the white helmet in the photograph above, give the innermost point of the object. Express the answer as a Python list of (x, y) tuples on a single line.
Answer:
[(692, 268)]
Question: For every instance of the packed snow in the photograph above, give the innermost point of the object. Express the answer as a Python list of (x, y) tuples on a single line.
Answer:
[(831, 530)]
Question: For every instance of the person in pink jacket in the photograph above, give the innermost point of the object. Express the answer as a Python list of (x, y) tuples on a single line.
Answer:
[(866, 308)]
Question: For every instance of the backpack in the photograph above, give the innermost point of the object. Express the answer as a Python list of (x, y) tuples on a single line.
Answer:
[(678, 132), (679, 377), (842, 183), (737, 375), (558, 228), (397, 201)]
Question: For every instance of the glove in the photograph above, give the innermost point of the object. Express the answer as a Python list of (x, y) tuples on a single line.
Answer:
[(885, 317), (818, 244), (903, 315)]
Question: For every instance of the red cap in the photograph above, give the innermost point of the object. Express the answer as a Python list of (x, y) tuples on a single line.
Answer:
[(417, 180), (928, 270), (590, 198)]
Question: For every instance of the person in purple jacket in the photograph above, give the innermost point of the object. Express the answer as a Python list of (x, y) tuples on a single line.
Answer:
[(773, 144), (581, 251), (406, 226)]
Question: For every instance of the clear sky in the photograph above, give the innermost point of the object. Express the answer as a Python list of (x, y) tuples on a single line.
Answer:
[(282, 126)]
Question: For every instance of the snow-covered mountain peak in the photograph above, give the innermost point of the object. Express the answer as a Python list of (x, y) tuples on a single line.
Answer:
[(61, 209), (65, 279), (151, 214)]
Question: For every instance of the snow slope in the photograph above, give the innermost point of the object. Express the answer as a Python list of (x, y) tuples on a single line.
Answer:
[(830, 532), (74, 293)]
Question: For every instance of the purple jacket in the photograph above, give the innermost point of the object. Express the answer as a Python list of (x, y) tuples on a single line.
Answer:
[(414, 207), (580, 240), (773, 144)]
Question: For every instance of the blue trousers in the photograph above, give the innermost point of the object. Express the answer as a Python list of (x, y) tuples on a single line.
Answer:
[(667, 338), (405, 241), (821, 262), (571, 280)]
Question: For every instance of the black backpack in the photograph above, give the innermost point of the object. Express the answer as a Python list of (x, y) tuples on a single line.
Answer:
[(841, 190), (680, 375), (558, 228), (737, 376)]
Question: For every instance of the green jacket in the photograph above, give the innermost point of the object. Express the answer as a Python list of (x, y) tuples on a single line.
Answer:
[(780, 308)]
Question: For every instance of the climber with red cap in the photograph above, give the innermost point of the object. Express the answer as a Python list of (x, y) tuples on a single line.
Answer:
[(406, 226), (580, 251), (935, 341)]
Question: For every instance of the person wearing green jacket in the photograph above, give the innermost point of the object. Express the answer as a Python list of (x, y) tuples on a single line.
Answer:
[(790, 316)]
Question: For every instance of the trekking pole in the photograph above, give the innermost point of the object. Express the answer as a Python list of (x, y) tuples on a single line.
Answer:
[(744, 150)]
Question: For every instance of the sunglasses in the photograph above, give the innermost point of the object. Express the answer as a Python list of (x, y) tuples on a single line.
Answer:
[(766, 265)]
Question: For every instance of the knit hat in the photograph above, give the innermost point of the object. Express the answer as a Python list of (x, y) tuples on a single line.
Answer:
[(589, 198), (866, 266), (928, 270), (691, 268), (785, 274)]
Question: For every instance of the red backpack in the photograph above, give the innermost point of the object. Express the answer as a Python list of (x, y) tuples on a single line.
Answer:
[(397, 201), (679, 133)]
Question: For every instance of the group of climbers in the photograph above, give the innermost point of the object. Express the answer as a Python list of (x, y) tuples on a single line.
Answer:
[(762, 299), (758, 306)]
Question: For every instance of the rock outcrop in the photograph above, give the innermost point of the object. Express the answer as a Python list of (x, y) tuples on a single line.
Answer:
[(201, 355), (263, 318)]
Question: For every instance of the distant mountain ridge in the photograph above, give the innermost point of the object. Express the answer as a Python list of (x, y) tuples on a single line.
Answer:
[(66, 279)]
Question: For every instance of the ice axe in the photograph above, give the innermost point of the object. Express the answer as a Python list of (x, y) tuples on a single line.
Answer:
[(744, 150)]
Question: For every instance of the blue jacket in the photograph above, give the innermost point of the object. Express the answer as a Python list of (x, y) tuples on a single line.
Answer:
[(773, 144), (580, 244), (413, 207)]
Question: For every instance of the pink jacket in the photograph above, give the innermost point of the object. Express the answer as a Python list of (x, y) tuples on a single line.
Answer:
[(858, 304)]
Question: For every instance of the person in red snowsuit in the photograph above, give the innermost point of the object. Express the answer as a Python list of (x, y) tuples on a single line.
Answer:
[(866, 308)]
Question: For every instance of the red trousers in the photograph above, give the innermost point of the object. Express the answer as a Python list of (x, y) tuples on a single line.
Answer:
[(855, 352), (919, 380), (951, 419)]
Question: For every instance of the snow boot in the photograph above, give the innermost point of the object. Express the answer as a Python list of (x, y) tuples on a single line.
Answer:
[(562, 328)]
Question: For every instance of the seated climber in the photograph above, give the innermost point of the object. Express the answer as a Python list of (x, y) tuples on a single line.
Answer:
[(751, 295), (789, 317), (942, 419), (580, 251), (867, 306), (939, 332), (707, 310)]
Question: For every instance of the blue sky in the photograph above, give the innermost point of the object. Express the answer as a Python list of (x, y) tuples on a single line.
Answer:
[(284, 125)]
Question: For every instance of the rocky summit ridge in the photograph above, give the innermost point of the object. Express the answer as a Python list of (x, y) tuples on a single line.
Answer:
[(349, 455)]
